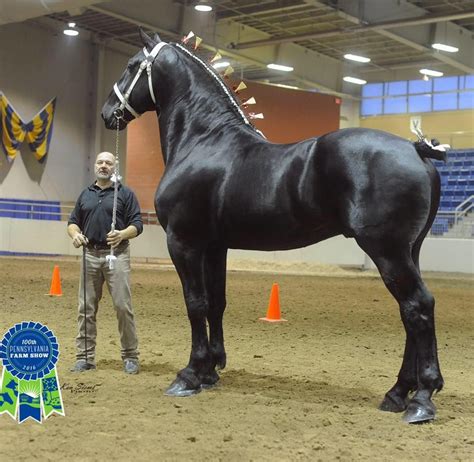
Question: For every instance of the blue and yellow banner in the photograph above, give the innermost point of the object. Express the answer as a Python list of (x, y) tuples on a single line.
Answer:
[(29, 387), (37, 132)]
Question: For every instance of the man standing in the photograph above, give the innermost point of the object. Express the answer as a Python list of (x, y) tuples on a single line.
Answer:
[(90, 225)]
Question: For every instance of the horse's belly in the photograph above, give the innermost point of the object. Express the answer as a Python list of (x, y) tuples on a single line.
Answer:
[(279, 238)]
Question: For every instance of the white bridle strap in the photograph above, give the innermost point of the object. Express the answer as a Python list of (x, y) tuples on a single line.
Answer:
[(153, 53), (145, 64), (150, 84), (124, 102)]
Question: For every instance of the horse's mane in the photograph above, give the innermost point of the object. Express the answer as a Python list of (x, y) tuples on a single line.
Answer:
[(222, 86)]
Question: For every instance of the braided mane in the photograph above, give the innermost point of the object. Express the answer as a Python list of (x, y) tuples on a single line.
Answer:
[(217, 78)]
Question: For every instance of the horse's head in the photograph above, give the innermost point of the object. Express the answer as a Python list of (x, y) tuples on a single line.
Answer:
[(134, 94)]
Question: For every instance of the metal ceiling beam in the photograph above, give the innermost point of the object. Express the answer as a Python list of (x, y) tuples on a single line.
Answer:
[(433, 18), (16, 11), (223, 51), (418, 38), (438, 56), (401, 65), (237, 13), (142, 24)]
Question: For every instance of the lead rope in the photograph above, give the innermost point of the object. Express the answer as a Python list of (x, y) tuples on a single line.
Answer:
[(111, 258), (84, 295)]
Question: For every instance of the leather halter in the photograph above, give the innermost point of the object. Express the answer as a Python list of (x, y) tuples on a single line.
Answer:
[(145, 64)]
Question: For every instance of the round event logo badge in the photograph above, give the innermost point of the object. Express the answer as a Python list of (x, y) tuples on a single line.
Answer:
[(29, 352)]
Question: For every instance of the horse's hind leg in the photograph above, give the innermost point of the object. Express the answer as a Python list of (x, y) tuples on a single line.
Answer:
[(215, 275), (420, 368), (189, 262), (396, 399)]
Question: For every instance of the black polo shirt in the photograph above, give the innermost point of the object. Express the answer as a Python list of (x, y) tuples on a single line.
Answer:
[(93, 212)]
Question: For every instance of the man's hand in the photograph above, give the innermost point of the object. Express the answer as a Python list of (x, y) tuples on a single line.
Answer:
[(114, 238), (79, 239)]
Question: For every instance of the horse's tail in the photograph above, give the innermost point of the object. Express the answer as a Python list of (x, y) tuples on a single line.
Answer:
[(425, 148), (432, 149)]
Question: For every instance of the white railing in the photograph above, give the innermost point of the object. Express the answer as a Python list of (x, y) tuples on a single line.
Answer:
[(456, 222), (30, 210), (464, 208), (149, 217)]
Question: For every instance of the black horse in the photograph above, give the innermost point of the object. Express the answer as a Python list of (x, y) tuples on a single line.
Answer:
[(225, 186)]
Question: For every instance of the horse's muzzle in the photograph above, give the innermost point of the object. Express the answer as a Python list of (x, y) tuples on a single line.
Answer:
[(112, 120)]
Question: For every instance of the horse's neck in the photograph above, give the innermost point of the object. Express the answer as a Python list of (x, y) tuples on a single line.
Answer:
[(195, 107)]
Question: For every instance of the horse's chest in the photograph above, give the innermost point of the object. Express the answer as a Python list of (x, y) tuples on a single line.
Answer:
[(186, 198)]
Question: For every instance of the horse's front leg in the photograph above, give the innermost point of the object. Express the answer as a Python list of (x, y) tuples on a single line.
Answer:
[(215, 282), (189, 261), (396, 399)]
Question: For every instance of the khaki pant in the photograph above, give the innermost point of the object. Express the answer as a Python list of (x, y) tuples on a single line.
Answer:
[(118, 284)]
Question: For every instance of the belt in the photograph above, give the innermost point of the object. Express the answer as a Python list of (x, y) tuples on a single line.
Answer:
[(121, 246), (98, 246)]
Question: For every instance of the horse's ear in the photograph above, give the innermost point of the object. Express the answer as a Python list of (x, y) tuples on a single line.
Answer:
[(156, 38), (147, 41)]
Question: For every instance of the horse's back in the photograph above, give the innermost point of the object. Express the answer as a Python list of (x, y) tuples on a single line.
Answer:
[(352, 143)]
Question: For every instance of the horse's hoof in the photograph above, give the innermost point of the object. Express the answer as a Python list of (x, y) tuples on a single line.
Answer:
[(180, 388), (419, 413), (209, 380), (221, 364), (393, 403), (220, 360), (208, 386)]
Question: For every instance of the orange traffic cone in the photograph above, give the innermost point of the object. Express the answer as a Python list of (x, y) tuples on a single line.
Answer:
[(55, 289), (273, 311)]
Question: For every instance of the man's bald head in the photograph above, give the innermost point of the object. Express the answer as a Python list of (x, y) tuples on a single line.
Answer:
[(104, 155), (104, 166)]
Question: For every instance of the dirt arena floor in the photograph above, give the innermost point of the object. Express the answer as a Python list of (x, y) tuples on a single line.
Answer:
[(307, 389)]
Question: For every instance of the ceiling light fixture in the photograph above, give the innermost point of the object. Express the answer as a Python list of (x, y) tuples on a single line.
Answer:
[(350, 79), (220, 64), (280, 67), (431, 73), (71, 31), (443, 47), (203, 6), (359, 59)]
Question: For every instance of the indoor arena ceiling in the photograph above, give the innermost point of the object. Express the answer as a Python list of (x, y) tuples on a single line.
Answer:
[(312, 36)]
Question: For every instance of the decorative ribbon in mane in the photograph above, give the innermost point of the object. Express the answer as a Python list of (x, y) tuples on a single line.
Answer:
[(37, 132)]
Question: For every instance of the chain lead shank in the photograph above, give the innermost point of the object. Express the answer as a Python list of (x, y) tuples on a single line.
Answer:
[(118, 115)]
